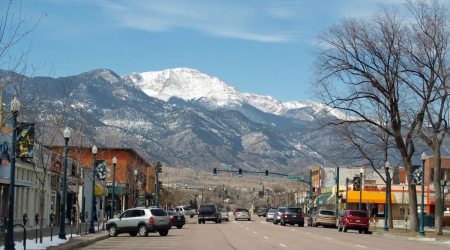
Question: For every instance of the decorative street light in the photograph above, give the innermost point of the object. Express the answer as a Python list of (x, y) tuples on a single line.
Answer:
[(135, 186), (423, 158), (403, 195), (114, 160), (346, 192), (387, 165), (91, 227), (15, 106), (62, 227), (361, 170), (443, 183)]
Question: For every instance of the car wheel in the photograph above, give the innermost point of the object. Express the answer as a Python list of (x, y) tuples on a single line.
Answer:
[(203, 221), (360, 231), (199, 222), (179, 227), (112, 231), (192, 216), (344, 229), (220, 221), (164, 232), (339, 227), (216, 221), (366, 230), (228, 220), (249, 219), (133, 234), (143, 231)]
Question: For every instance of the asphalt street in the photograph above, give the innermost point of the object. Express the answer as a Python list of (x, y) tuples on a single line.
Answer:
[(259, 234)]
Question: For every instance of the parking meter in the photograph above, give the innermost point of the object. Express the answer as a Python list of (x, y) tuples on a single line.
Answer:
[(25, 219), (406, 223), (52, 218), (87, 215), (72, 215), (36, 218), (375, 220)]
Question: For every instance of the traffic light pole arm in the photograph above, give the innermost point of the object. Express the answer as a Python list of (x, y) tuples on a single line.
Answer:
[(257, 172)]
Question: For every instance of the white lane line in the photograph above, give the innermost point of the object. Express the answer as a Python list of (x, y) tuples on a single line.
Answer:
[(282, 245), (307, 233), (247, 228), (266, 238), (361, 246), (254, 232), (328, 238), (293, 229)]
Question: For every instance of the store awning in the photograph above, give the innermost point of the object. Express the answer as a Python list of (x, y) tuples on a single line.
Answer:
[(98, 190), (353, 197), (322, 200)]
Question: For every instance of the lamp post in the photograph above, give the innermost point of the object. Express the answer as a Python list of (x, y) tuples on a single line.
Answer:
[(62, 227), (443, 183), (387, 165), (403, 195), (113, 186), (361, 170), (135, 187), (346, 193), (15, 106), (91, 227), (422, 231)]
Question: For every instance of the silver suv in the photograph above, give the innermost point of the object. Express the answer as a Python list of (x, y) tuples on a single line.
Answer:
[(140, 221)]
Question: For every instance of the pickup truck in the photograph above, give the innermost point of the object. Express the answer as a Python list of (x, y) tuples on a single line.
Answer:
[(186, 211)]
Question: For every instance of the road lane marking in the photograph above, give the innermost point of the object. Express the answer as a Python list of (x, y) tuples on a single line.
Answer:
[(247, 228), (282, 245), (361, 246), (293, 229), (328, 238), (266, 238), (254, 232), (263, 222), (307, 233)]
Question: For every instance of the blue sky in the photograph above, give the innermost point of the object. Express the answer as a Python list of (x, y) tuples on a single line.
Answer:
[(257, 46)]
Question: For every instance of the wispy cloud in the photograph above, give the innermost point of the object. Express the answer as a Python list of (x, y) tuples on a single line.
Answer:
[(252, 20)]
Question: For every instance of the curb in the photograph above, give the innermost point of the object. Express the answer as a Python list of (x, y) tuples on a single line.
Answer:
[(81, 244), (404, 237)]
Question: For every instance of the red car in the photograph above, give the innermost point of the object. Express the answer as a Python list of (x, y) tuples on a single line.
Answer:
[(354, 220)]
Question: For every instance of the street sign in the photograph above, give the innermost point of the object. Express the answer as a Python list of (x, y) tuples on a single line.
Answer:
[(310, 202), (295, 178)]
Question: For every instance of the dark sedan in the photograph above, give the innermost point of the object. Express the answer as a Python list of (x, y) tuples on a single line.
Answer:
[(176, 219)]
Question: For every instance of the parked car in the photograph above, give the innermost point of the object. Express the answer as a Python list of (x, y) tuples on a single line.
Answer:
[(224, 215), (209, 213), (354, 220), (140, 221), (270, 214), (277, 216), (292, 216), (186, 211), (176, 219), (234, 210), (242, 214), (325, 218), (261, 212)]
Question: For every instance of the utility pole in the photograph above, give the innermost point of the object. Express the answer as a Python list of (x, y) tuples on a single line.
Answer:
[(337, 191), (223, 194)]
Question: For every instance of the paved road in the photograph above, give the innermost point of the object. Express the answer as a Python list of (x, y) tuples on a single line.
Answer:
[(258, 234)]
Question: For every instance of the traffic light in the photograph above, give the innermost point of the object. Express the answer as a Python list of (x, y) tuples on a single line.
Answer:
[(238, 197), (219, 196), (158, 167), (313, 191), (215, 171), (240, 173), (267, 173)]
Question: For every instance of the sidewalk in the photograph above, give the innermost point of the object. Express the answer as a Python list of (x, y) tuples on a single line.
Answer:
[(79, 242), (31, 233), (403, 234)]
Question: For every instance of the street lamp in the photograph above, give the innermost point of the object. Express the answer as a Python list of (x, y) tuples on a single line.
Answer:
[(443, 183), (422, 231), (15, 106), (62, 227), (346, 193), (114, 160), (361, 170), (403, 196), (387, 165), (135, 186), (91, 227)]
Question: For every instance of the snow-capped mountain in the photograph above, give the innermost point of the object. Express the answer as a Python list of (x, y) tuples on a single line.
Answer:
[(195, 88)]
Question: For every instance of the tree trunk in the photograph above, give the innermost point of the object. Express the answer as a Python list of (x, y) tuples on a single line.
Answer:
[(437, 191), (413, 215)]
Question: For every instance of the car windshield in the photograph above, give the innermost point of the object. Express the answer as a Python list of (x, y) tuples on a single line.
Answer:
[(158, 212), (358, 214), (207, 209), (294, 210), (223, 210), (242, 210), (272, 211), (326, 212), (172, 213)]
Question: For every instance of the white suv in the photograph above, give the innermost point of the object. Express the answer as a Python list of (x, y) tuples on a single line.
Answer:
[(140, 221)]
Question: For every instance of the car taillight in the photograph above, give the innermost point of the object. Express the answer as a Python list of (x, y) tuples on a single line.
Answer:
[(248, 213), (334, 218), (171, 218), (303, 216), (151, 221), (319, 215), (285, 215)]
